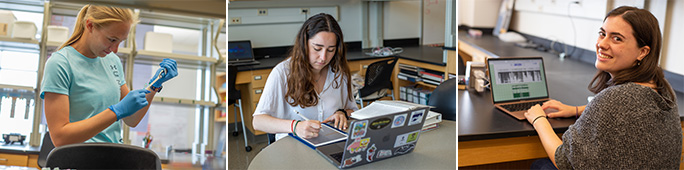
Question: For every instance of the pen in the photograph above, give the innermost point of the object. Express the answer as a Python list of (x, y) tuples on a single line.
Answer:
[(302, 116)]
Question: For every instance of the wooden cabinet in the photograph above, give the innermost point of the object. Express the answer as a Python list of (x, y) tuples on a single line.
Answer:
[(251, 85), (13, 159), (8, 159), (220, 114)]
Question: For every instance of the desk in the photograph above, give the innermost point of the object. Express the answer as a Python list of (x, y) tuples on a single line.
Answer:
[(436, 149), (15, 155), (250, 80), (487, 135)]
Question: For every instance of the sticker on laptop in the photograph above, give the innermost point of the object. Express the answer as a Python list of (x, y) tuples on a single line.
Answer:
[(370, 153), (406, 138), (399, 120), (380, 123), (416, 117), (384, 153), (359, 129), (353, 160), (404, 149), (358, 145)]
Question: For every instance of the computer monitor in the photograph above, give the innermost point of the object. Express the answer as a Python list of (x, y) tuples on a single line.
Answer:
[(240, 51)]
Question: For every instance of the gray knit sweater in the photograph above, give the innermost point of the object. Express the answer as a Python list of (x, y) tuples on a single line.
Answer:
[(626, 126)]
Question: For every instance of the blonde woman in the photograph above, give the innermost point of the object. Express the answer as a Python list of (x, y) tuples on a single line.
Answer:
[(84, 88), (313, 81)]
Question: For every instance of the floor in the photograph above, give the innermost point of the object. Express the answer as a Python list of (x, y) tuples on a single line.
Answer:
[(238, 158)]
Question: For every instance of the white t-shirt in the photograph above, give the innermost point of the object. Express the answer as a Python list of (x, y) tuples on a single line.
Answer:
[(273, 102)]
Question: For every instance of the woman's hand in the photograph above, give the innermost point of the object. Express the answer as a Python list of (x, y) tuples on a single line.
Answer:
[(534, 112), (308, 129), (563, 109), (339, 120)]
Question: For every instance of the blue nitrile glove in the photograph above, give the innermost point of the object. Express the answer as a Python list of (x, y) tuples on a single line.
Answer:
[(171, 71), (134, 101)]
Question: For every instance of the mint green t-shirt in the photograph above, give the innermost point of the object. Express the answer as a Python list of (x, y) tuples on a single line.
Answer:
[(92, 84)]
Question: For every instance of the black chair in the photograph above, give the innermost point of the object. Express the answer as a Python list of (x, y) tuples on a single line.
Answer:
[(271, 138), (377, 81), (443, 98), (234, 97), (45, 149), (102, 156)]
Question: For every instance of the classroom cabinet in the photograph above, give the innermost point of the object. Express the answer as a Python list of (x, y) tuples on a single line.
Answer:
[(8, 159)]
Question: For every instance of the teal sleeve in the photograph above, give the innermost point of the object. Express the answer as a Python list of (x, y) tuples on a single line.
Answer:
[(56, 76), (123, 75)]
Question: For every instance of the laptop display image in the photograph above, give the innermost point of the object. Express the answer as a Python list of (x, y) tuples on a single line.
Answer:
[(241, 53), (517, 83), (377, 138)]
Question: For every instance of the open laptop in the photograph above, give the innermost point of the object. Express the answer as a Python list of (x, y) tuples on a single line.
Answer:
[(240, 53), (517, 83), (377, 138)]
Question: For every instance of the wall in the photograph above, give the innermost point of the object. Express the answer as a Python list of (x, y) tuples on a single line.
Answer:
[(401, 20), (550, 20), (672, 52), (478, 13), (433, 21)]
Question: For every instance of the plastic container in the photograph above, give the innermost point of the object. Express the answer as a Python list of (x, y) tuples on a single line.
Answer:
[(57, 33), (6, 22), (159, 42), (24, 29)]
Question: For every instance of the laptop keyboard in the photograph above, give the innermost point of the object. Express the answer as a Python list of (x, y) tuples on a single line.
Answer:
[(337, 156), (521, 106)]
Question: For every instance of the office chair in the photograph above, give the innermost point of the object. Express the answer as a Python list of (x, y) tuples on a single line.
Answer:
[(45, 149), (102, 156), (443, 98), (377, 81), (234, 97)]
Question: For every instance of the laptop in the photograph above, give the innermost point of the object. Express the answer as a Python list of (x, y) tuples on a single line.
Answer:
[(517, 83), (377, 138), (240, 53)]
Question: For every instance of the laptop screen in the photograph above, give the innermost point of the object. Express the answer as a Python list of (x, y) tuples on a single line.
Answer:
[(514, 79), (240, 50)]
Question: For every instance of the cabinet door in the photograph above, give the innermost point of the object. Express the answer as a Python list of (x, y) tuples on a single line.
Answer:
[(13, 159)]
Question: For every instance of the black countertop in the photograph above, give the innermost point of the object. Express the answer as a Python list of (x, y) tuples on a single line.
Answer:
[(19, 149), (424, 54), (567, 80)]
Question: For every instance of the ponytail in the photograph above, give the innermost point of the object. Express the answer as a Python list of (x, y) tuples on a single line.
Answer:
[(79, 27), (99, 16)]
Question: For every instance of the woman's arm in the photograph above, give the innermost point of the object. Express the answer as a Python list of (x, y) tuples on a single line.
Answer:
[(64, 132), (563, 109), (548, 137), (134, 119), (270, 124)]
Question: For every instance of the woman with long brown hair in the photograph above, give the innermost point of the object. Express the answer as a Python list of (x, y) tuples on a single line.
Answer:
[(84, 88), (632, 123), (313, 81)]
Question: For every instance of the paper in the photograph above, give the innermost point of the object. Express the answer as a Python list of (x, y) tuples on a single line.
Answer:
[(384, 107), (326, 136)]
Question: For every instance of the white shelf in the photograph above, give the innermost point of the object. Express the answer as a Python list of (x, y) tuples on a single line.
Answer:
[(183, 60), (172, 100), (6, 86), (53, 45), (17, 91), (19, 40), (125, 51)]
